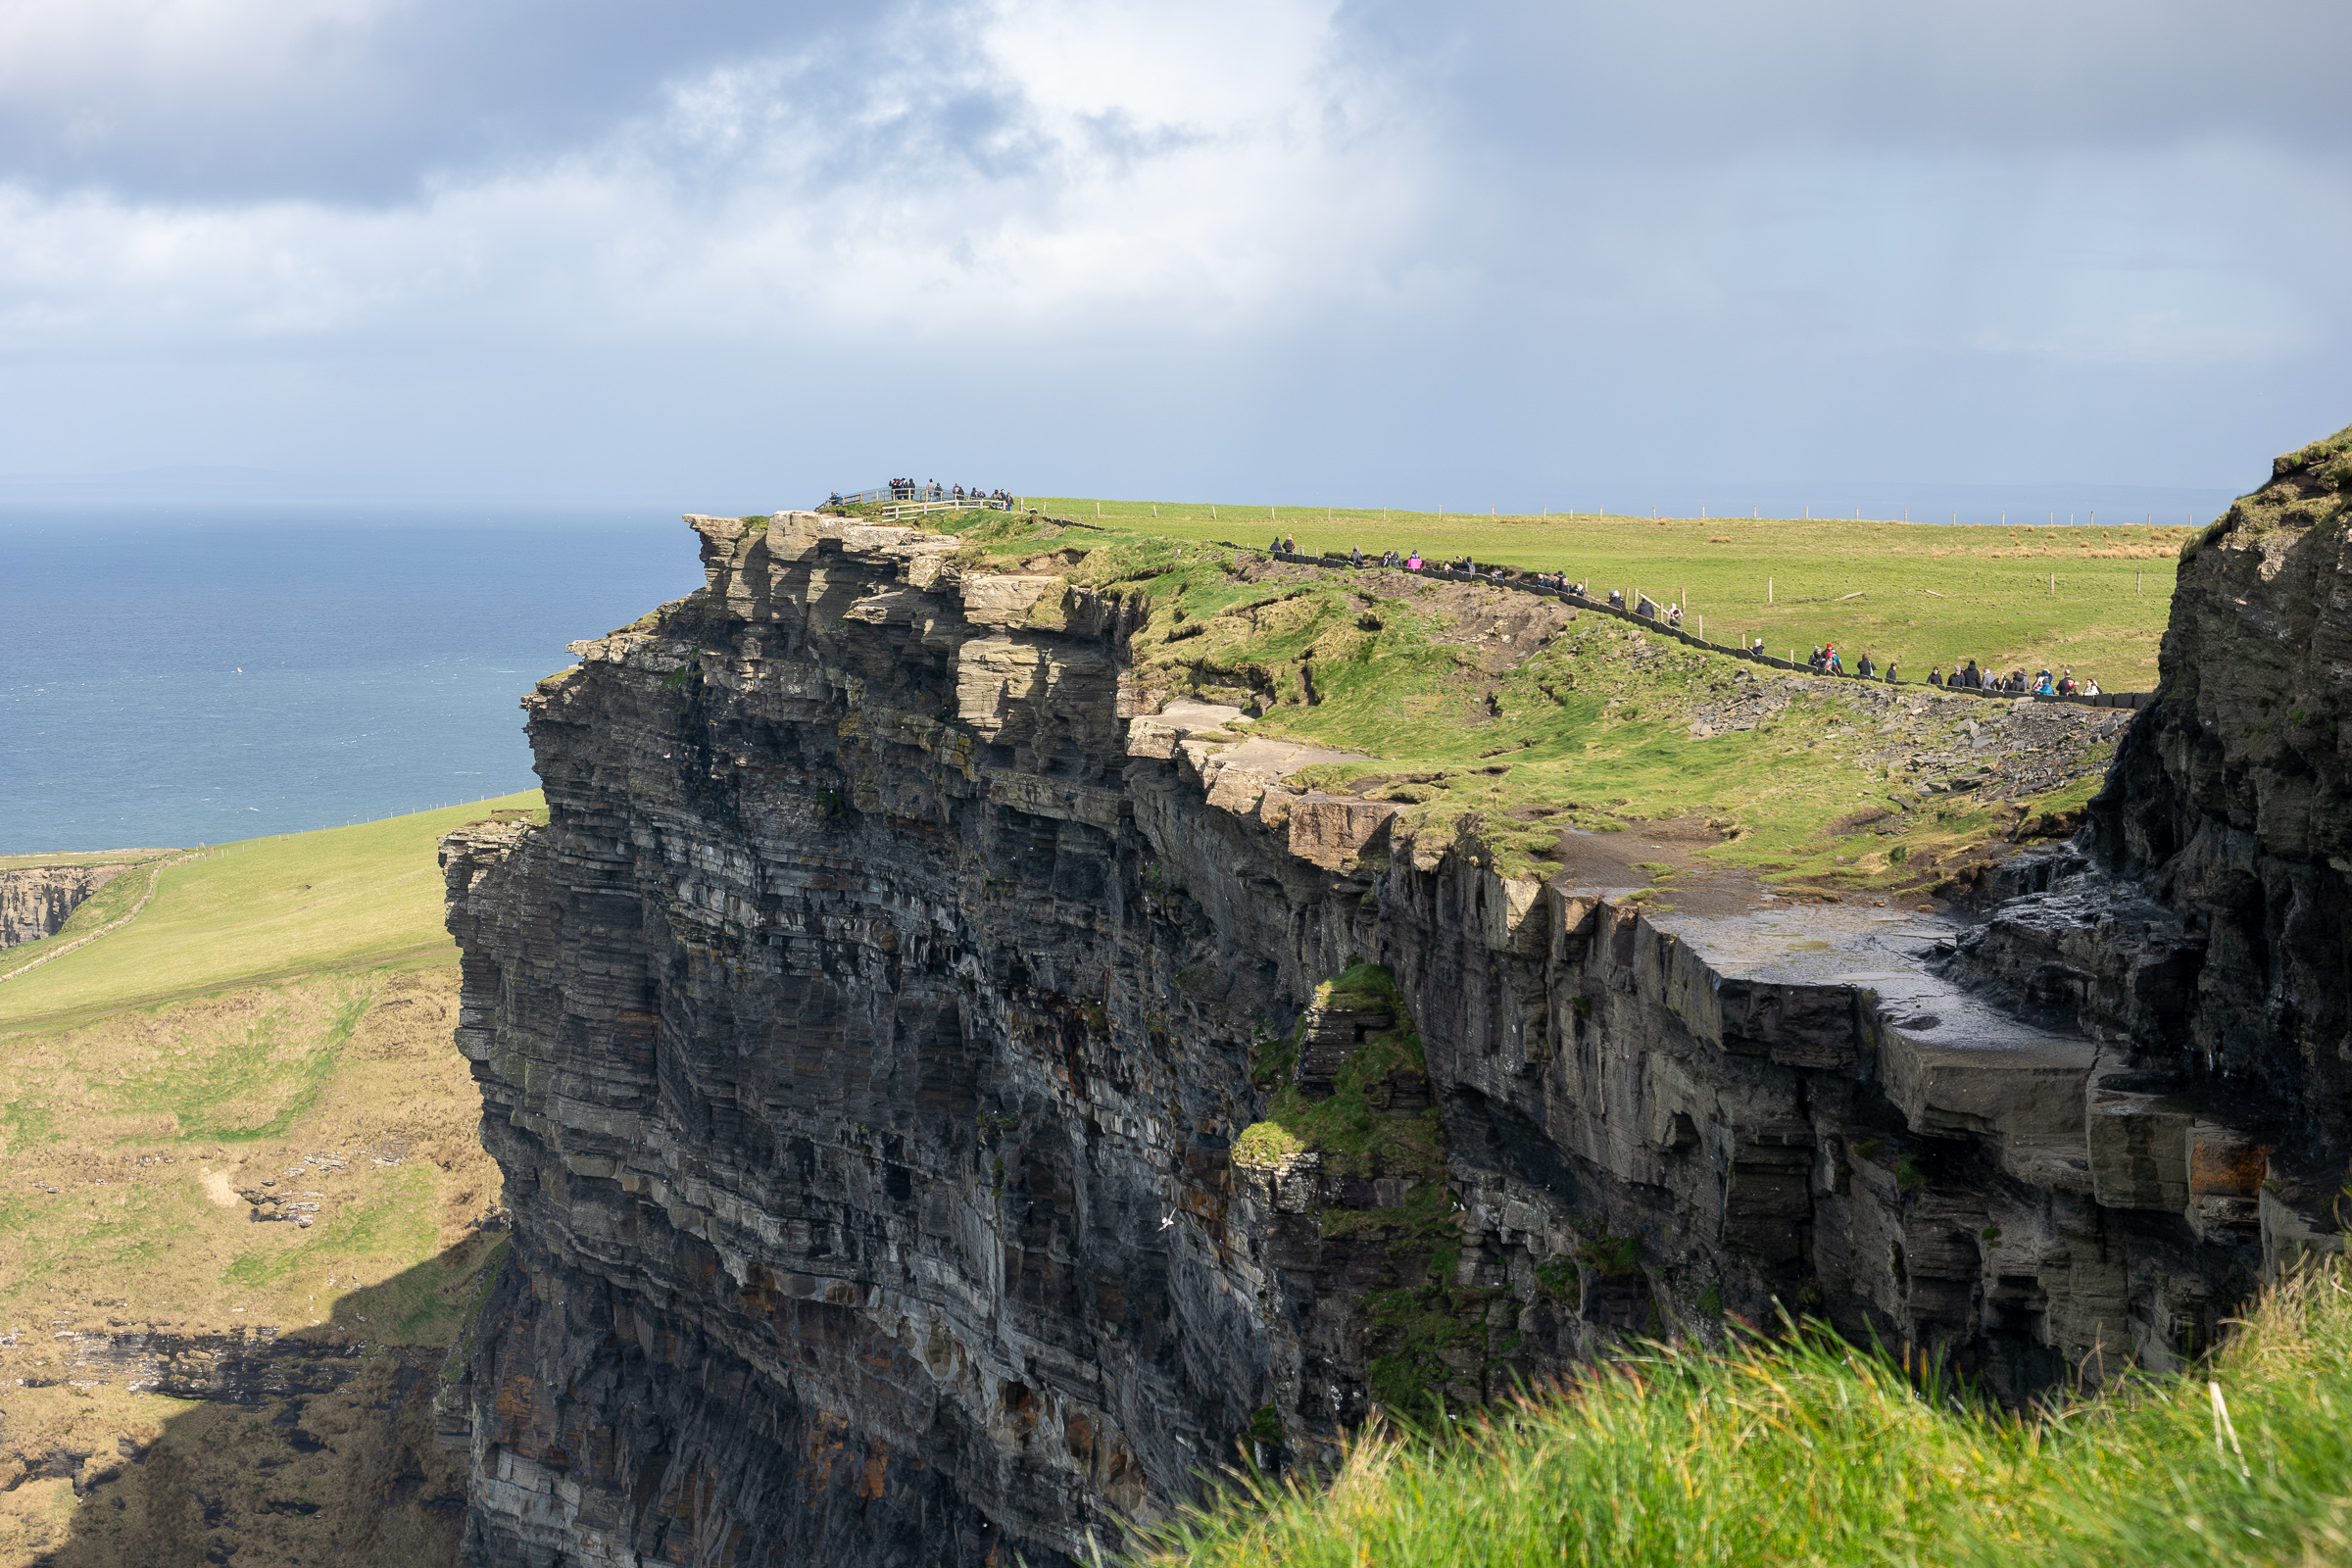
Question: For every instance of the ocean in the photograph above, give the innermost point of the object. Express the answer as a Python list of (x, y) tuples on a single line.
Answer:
[(186, 674)]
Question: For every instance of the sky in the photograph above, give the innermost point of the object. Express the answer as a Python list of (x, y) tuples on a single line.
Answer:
[(732, 255)]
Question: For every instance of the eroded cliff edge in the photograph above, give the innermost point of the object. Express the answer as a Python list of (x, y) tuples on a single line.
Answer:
[(37, 900), (868, 1037)]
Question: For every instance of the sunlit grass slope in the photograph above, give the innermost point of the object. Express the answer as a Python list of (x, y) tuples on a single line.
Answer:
[(2104, 615), (1815, 1452), (1510, 743), (277, 1024), (250, 910)]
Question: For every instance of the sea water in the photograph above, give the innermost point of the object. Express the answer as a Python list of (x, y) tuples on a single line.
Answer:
[(175, 675)]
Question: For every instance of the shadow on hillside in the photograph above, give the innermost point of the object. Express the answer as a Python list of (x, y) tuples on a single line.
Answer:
[(315, 1446)]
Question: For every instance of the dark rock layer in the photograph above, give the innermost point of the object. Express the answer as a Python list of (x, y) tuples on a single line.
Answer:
[(868, 1037)]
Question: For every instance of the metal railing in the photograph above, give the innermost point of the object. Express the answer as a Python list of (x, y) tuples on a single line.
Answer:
[(923, 493), (900, 510)]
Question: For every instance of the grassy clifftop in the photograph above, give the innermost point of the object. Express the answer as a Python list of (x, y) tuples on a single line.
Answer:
[(1540, 739), (245, 912), (1918, 593)]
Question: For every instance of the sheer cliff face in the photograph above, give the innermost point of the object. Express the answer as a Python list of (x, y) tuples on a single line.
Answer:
[(839, 1039), (2233, 804), (2230, 807), (35, 902), (868, 1038)]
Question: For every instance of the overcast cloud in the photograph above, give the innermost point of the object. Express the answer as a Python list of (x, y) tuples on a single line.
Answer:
[(734, 255)]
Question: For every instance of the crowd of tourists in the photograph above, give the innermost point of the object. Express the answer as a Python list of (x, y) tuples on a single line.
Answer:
[(933, 490), (1974, 678), (1827, 658)]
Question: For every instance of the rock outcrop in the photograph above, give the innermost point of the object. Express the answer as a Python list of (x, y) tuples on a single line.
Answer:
[(35, 902), (879, 1038)]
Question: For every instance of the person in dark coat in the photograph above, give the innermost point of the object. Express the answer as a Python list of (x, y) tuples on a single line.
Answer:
[(1864, 668), (1935, 676)]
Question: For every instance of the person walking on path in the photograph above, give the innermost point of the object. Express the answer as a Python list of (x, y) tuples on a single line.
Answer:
[(1890, 672), (1935, 676), (1356, 556)]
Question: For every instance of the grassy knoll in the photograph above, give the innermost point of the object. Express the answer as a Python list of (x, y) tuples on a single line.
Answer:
[(1816, 1452), (2113, 584), (245, 912), (275, 1025), (1493, 715)]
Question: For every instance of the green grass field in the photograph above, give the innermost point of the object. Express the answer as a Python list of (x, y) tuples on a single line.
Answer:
[(277, 1020), (1927, 595), (1488, 712), (1816, 1452), (248, 912)]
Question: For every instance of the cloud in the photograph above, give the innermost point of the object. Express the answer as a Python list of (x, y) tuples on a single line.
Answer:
[(998, 191), (1683, 78), (340, 100), (1300, 234)]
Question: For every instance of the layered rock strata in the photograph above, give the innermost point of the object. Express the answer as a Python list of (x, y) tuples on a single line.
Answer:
[(34, 903), (869, 1038)]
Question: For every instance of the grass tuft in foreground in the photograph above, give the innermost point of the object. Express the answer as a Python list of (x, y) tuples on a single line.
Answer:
[(1812, 1451)]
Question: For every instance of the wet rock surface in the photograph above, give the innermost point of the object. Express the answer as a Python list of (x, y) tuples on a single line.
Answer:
[(868, 1039)]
